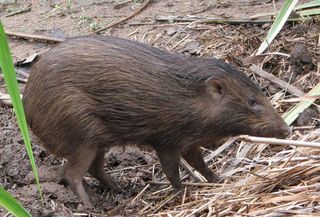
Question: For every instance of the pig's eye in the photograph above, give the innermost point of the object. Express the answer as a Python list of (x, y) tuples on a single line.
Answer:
[(252, 101)]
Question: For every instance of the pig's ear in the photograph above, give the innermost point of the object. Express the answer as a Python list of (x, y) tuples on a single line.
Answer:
[(215, 87)]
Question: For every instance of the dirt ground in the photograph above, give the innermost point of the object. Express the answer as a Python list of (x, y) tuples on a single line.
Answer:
[(133, 168)]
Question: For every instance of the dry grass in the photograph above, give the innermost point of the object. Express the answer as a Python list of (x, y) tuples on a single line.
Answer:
[(271, 181)]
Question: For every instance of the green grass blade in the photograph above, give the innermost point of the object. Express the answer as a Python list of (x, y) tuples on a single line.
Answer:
[(291, 115), (10, 78), (310, 12), (278, 24), (299, 9), (315, 3), (12, 205)]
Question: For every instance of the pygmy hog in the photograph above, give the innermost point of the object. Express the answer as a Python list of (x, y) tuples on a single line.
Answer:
[(90, 93)]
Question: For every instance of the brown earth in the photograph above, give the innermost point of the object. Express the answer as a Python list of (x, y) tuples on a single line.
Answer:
[(132, 167)]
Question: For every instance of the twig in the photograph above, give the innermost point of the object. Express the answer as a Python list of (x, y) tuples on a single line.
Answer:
[(279, 141), (220, 149), (200, 184), (304, 128), (22, 80), (188, 168), (121, 4), (246, 148), (291, 89), (203, 207), (125, 18), (126, 168), (27, 9), (24, 74), (34, 37), (164, 202), (140, 193), (215, 20), (5, 99), (295, 100)]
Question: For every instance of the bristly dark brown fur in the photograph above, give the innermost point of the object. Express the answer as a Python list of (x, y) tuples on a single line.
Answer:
[(90, 93)]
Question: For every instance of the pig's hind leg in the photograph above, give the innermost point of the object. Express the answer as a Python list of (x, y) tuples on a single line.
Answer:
[(76, 167), (97, 171)]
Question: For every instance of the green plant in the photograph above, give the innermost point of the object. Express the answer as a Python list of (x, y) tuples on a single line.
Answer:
[(278, 24), (12, 205), (93, 25), (69, 4), (9, 74), (302, 10), (291, 115)]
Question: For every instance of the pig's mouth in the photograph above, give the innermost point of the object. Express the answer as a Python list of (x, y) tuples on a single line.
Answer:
[(278, 132)]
